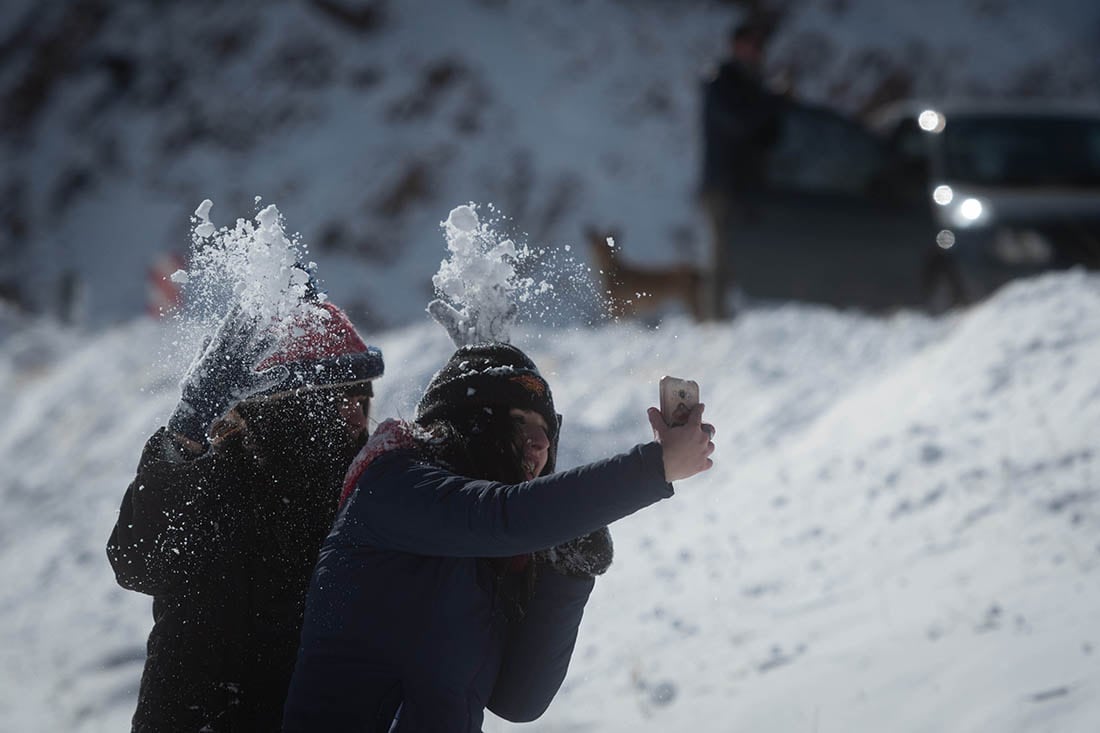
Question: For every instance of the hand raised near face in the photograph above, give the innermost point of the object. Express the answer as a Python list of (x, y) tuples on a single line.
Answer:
[(686, 448)]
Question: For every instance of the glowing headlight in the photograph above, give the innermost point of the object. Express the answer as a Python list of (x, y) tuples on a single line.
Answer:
[(931, 121), (966, 211), (971, 209), (943, 195)]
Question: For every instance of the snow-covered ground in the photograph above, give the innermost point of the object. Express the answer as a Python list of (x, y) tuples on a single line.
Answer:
[(900, 532)]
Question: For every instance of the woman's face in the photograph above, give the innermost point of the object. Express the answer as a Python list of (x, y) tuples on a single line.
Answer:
[(355, 410), (532, 436)]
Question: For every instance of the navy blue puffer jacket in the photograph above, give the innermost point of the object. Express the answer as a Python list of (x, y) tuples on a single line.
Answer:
[(404, 613)]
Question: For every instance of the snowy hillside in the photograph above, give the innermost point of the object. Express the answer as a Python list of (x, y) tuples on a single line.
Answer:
[(900, 532), (366, 120)]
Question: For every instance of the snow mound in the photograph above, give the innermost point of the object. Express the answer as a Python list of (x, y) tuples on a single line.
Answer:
[(899, 532)]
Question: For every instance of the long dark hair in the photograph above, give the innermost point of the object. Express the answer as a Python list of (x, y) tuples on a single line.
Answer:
[(479, 442)]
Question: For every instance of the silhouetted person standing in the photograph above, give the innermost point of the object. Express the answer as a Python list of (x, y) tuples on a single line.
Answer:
[(741, 126)]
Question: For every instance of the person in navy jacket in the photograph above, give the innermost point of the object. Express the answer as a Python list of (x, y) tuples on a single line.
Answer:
[(459, 564)]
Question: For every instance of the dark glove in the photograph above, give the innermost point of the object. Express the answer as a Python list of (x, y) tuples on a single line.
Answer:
[(584, 557), (223, 375)]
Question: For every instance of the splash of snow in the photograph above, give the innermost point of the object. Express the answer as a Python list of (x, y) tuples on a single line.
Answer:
[(204, 228), (491, 281), (252, 266), (479, 279)]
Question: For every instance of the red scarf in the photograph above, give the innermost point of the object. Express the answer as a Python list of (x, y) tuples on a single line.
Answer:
[(389, 435)]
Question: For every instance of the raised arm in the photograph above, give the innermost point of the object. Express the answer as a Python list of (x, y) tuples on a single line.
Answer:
[(171, 525), (405, 505), (168, 529)]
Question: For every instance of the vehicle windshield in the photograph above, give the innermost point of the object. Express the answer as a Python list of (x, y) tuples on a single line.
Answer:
[(1022, 151)]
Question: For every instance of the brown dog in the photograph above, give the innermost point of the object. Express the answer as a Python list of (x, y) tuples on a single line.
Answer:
[(633, 291)]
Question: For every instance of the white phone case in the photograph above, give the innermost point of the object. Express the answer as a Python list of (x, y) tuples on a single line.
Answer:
[(678, 397)]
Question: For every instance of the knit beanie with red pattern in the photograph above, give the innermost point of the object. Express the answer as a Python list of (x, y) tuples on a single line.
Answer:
[(324, 352), (489, 375)]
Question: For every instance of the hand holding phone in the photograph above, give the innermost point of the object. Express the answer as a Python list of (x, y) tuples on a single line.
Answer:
[(678, 397), (686, 450)]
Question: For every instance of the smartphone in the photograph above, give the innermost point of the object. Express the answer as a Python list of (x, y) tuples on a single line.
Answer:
[(678, 397)]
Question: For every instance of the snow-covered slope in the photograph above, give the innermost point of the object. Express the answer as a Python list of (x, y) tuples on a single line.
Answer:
[(900, 532), (366, 121)]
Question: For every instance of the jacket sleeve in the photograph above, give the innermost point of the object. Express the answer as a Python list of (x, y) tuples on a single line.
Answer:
[(405, 505), (167, 530), (539, 647)]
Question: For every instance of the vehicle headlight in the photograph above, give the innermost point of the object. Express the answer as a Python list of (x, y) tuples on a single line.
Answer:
[(943, 195), (931, 121), (958, 209), (970, 210)]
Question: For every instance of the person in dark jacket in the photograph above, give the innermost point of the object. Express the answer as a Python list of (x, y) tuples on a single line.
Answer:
[(741, 126), (460, 563), (224, 520)]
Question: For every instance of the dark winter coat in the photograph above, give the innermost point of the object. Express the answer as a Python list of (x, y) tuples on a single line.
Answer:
[(225, 544), (741, 123), (404, 610)]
